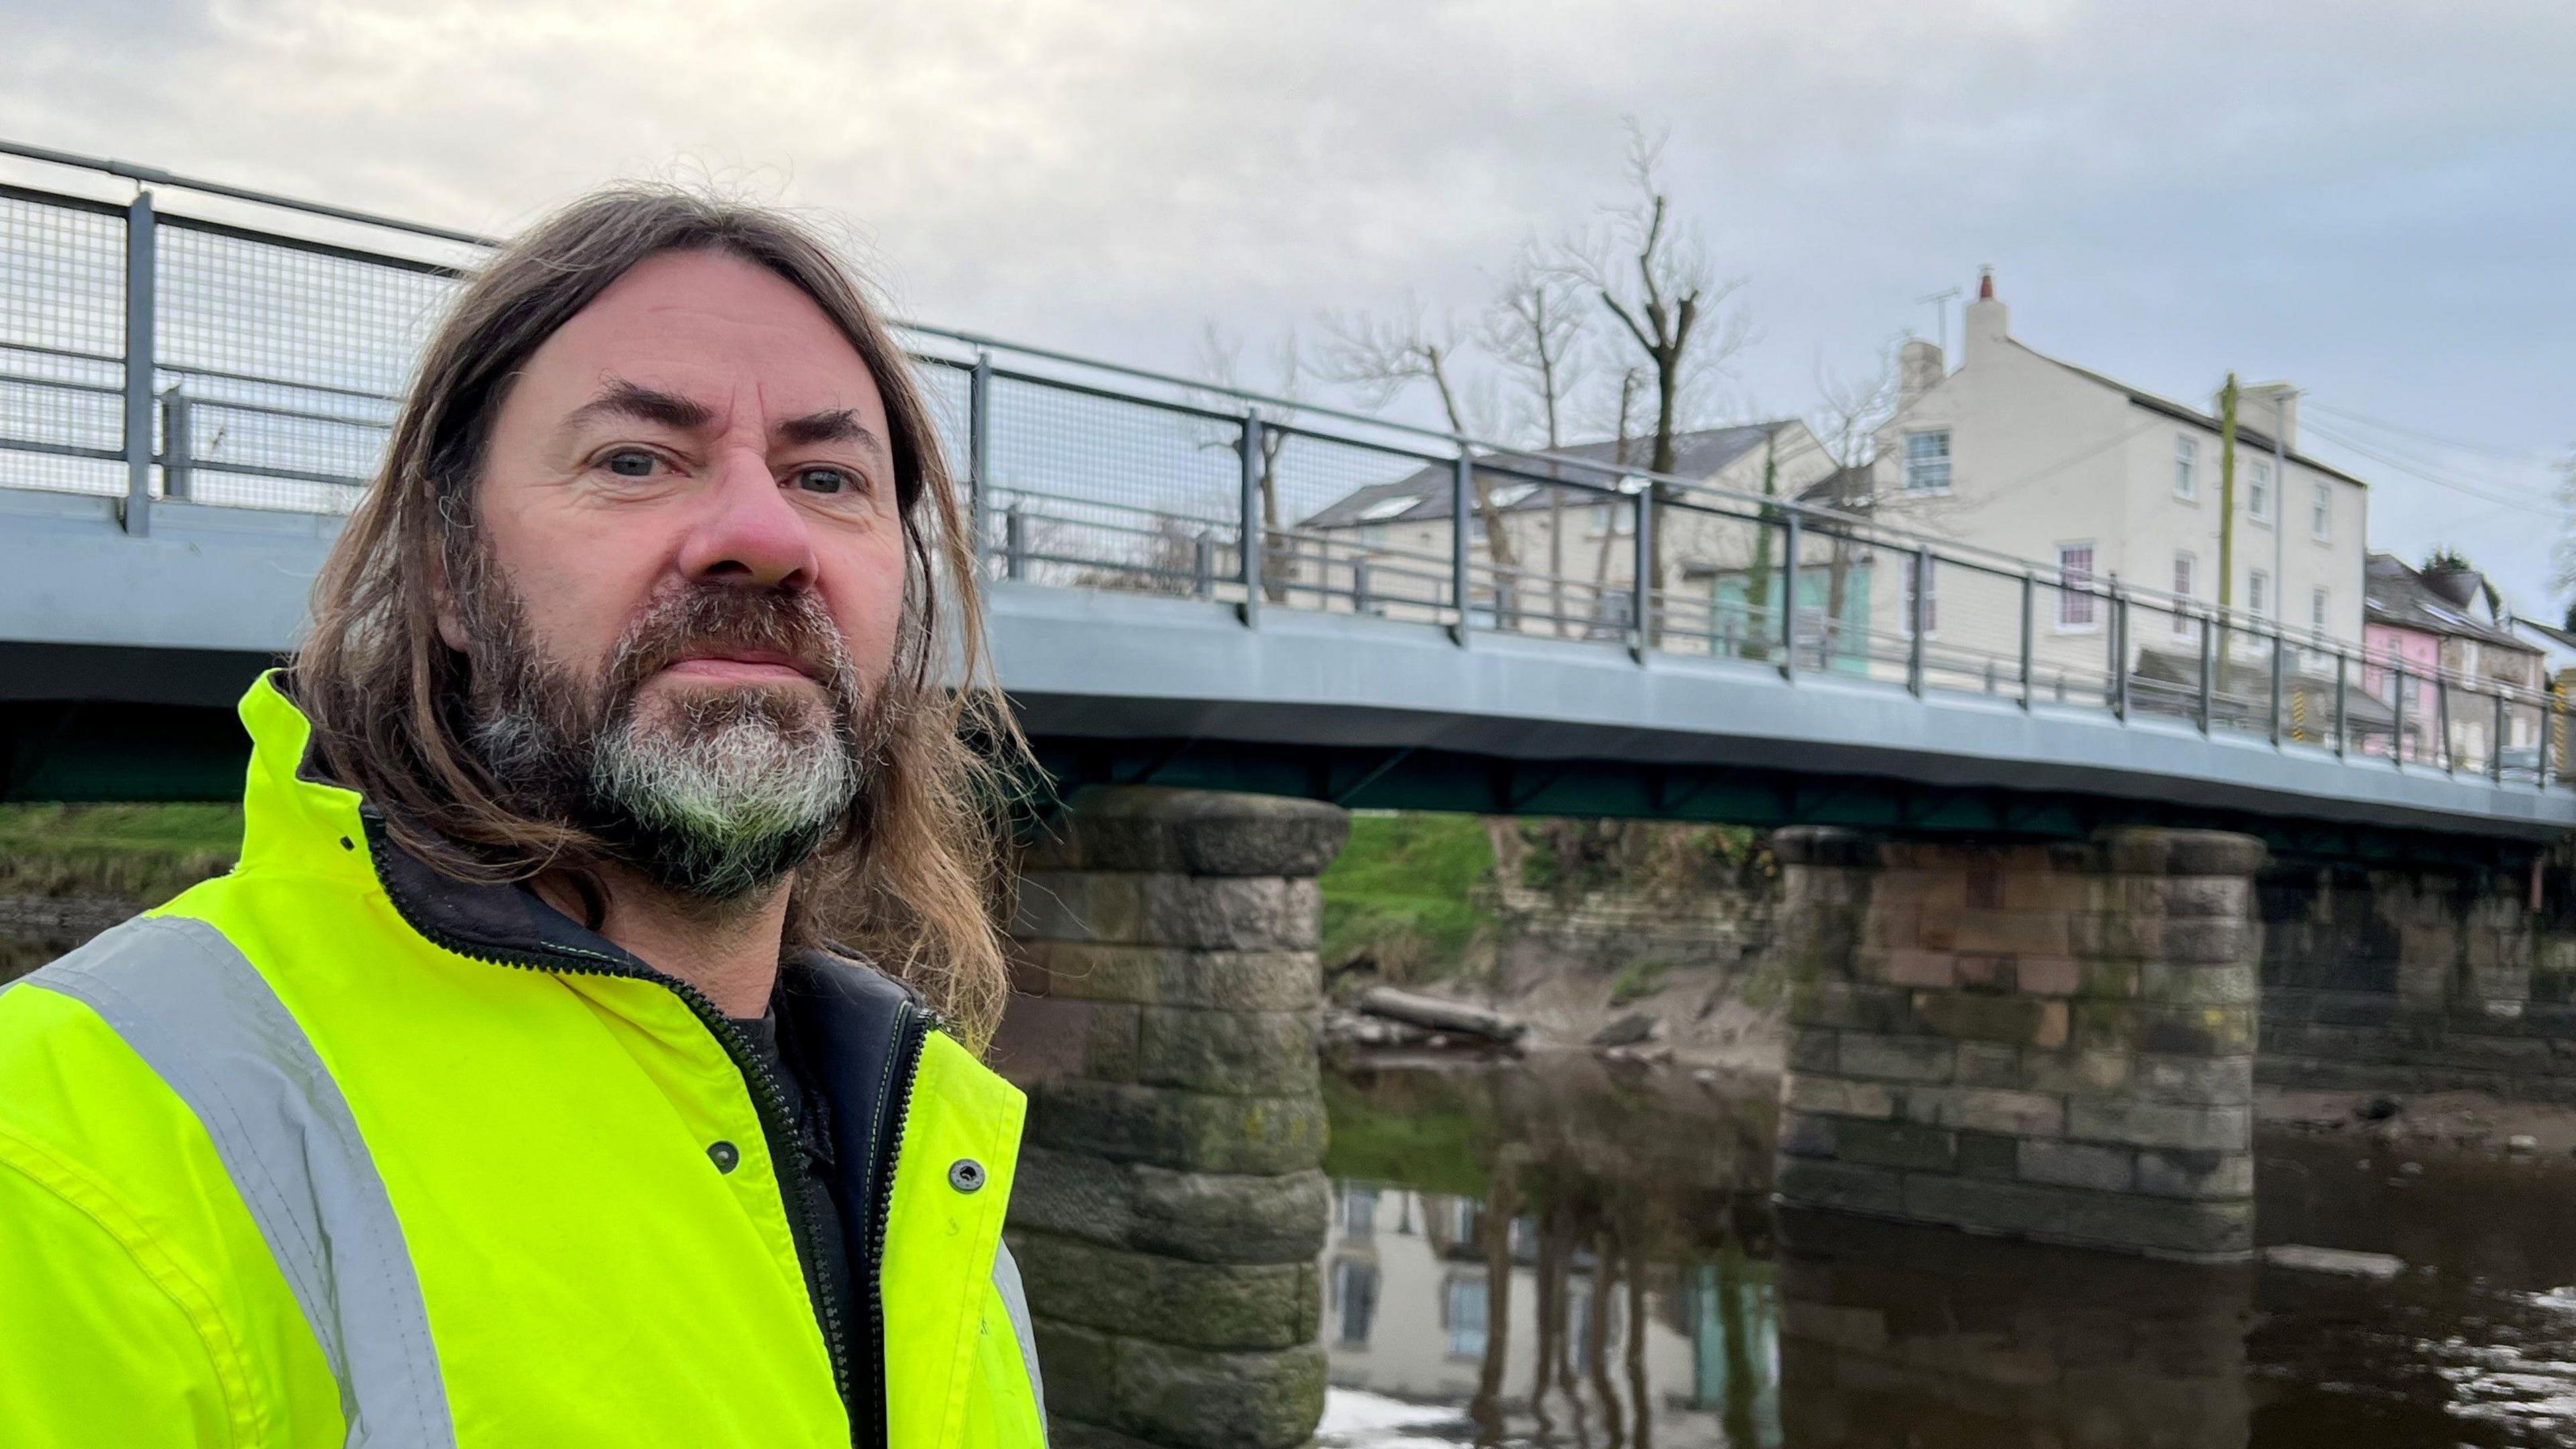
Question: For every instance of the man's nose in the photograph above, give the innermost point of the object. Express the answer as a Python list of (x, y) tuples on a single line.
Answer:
[(751, 533)]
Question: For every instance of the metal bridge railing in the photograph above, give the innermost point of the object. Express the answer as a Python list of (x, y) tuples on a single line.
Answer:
[(150, 356)]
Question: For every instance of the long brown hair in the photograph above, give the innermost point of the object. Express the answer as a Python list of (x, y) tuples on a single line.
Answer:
[(910, 879)]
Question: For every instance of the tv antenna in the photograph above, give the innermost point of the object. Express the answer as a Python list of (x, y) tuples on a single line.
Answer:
[(1940, 302)]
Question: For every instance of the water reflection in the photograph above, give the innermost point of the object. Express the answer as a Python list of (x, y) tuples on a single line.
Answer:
[(1556, 1255)]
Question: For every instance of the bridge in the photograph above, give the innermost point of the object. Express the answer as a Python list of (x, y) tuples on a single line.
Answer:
[(189, 403)]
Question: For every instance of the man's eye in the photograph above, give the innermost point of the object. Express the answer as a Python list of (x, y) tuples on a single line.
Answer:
[(826, 480), (631, 463)]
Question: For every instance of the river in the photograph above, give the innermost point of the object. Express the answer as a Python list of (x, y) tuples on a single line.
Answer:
[(1558, 1253)]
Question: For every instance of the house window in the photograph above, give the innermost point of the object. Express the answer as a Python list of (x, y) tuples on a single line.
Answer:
[(1359, 1211), (1355, 1294), (2258, 491), (1927, 462), (2317, 608), (2258, 594), (2320, 511), (2182, 590), (1614, 516), (2186, 466), (1922, 594), (2075, 575)]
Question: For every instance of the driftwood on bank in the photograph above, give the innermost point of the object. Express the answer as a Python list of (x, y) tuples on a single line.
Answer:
[(1432, 1012)]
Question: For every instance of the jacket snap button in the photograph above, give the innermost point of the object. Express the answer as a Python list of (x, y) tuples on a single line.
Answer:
[(965, 1174), (725, 1156)]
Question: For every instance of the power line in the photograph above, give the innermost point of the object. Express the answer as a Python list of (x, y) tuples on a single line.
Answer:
[(2413, 470), (2447, 442)]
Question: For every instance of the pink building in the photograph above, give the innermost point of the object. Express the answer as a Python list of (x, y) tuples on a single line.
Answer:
[(2421, 625)]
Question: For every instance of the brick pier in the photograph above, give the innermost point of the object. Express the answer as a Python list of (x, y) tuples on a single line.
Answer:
[(2050, 1042), (1170, 1207)]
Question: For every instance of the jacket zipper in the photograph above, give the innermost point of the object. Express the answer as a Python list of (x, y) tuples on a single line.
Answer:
[(913, 1025), (769, 1102)]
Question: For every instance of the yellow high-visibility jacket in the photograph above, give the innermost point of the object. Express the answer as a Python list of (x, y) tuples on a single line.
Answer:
[(334, 1150)]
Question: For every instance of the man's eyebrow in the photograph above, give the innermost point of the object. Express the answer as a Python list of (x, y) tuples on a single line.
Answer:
[(839, 425), (633, 401)]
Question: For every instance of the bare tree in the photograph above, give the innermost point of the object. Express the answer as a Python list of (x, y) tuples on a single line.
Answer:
[(1849, 412), (1534, 329), (1383, 356), (1220, 361), (1652, 273)]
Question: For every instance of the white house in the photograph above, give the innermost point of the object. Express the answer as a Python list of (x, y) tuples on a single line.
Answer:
[(2039, 459)]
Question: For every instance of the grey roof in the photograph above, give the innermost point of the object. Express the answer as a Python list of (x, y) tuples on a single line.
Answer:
[(2396, 595), (2552, 633), (2246, 437), (1695, 455)]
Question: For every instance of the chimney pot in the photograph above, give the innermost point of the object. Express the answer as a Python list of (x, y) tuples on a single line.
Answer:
[(1985, 284)]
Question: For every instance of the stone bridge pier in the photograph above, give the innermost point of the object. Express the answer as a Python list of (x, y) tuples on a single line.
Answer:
[(1170, 1206), (2048, 1042)]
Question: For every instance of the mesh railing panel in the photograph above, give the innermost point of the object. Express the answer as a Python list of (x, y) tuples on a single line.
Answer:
[(1362, 529), (62, 341)]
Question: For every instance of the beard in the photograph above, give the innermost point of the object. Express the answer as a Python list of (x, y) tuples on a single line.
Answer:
[(713, 793)]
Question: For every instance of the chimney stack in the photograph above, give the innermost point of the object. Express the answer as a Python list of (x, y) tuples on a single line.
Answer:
[(1919, 366), (2271, 408), (1989, 324)]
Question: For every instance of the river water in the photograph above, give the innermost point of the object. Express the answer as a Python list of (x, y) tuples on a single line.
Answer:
[(1556, 1253)]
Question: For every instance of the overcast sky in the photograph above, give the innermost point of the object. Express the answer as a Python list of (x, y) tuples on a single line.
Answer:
[(2375, 200)]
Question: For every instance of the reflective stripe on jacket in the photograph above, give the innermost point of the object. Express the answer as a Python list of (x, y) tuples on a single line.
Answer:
[(333, 1151)]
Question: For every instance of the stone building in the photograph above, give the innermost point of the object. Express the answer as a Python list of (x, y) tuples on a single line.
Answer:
[(2418, 622)]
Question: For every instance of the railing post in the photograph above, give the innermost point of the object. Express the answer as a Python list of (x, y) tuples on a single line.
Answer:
[(2397, 713), (1462, 557), (2208, 671), (178, 458), (1793, 537), (1202, 567), (2495, 743), (1919, 623), (2029, 628), (1641, 638), (2442, 721), (2275, 730), (2119, 632), (979, 452), (1015, 543), (2342, 723), (1359, 585), (1255, 537), (140, 247)]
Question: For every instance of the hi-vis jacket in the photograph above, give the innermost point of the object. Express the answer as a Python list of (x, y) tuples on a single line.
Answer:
[(335, 1151)]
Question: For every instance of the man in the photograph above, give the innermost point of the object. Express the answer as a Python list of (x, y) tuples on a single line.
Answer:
[(517, 1088)]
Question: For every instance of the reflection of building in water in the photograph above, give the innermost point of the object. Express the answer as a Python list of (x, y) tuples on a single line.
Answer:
[(1411, 1311), (1922, 1338)]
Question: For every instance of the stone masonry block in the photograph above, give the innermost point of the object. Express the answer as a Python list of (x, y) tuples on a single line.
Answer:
[(2091, 1071), (1165, 976), (1080, 1367), (1194, 832), (1175, 1395), (2165, 1227), (1987, 1109), (2205, 1081), (1910, 966), (1230, 1217), (1838, 1096), (2130, 1123), (2189, 985), (1147, 1295), (1843, 1186), (1240, 1053), (2049, 975), (1989, 1064), (2228, 897), (1805, 1134), (2015, 1209), (2021, 1020), (1192, 1131), (2077, 1164), (1815, 1052), (1109, 1043), (1898, 1058), (2000, 932), (1852, 1006), (2199, 1174), (1252, 913), (2199, 1031), (1989, 1155), (1895, 1144)]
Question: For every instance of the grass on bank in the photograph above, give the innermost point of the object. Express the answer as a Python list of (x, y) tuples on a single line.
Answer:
[(142, 853), (1411, 892)]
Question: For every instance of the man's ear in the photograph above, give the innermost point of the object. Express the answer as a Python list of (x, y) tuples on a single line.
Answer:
[(442, 594)]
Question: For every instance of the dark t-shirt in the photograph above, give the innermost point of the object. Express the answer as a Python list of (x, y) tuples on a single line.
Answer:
[(831, 1248)]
